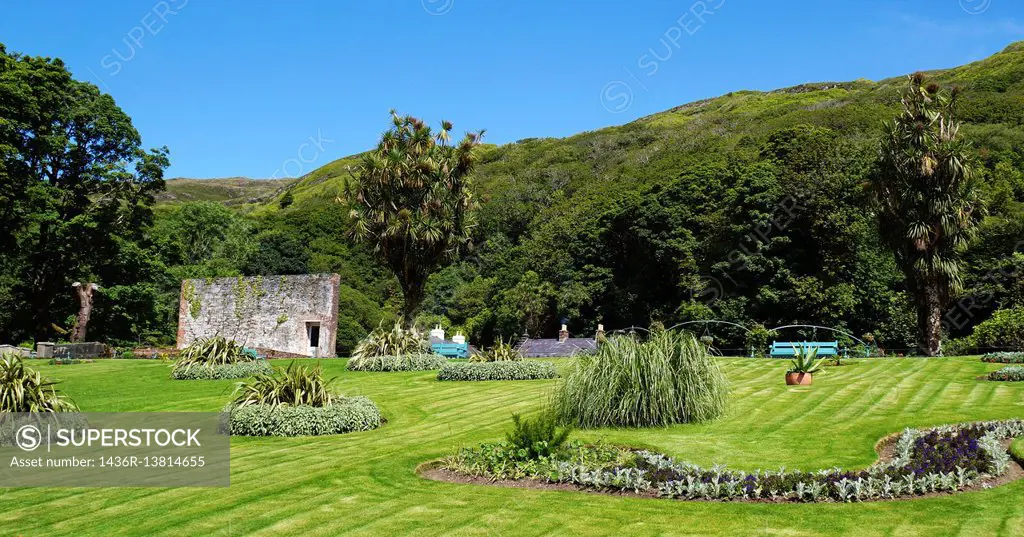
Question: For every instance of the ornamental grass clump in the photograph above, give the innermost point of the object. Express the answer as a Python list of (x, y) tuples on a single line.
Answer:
[(296, 385), (500, 352), (217, 358), (398, 341), (398, 349), (629, 382), (217, 350), (25, 390), (297, 401)]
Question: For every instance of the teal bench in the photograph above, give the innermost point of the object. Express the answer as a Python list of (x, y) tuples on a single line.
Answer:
[(451, 350), (252, 354), (781, 349)]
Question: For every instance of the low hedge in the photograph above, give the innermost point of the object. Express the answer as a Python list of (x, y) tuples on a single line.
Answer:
[(1004, 357), (509, 370), (406, 362), (217, 372), (1013, 373), (345, 415)]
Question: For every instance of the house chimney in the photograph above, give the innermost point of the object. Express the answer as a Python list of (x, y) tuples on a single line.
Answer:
[(599, 336), (437, 333), (563, 334), (458, 338)]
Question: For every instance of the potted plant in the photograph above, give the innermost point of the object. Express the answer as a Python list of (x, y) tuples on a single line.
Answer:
[(805, 364)]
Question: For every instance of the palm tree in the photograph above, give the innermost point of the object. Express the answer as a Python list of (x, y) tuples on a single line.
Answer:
[(412, 203), (929, 207)]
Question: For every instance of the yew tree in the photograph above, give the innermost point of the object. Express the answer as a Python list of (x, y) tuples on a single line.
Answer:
[(412, 202), (925, 186)]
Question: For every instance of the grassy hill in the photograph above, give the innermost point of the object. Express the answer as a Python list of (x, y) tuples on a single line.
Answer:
[(660, 146), (230, 190)]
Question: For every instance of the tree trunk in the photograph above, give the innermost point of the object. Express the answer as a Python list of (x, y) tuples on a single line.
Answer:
[(412, 295), (41, 312), (929, 319), (84, 310)]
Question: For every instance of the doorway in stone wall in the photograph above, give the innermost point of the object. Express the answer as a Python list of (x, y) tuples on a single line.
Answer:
[(313, 331)]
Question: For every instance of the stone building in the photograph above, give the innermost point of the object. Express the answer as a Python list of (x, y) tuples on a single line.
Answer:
[(277, 315)]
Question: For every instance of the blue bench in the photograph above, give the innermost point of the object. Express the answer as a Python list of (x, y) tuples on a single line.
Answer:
[(253, 354), (451, 350), (782, 349)]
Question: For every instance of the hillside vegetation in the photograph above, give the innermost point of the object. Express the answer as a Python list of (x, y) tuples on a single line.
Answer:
[(750, 207), (229, 191), (658, 147), (664, 218)]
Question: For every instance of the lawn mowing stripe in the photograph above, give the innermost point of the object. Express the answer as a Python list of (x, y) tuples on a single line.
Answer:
[(814, 401), (284, 509), (379, 465)]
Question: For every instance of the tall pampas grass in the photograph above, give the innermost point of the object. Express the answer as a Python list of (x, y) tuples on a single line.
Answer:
[(668, 378)]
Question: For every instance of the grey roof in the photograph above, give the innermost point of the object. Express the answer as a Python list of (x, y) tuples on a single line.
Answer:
[(547, 348)]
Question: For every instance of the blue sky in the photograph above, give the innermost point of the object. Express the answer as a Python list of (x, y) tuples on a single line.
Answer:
[(258, 88)]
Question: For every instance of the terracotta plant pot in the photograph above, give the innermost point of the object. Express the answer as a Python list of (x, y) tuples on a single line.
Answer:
[(799, 379)]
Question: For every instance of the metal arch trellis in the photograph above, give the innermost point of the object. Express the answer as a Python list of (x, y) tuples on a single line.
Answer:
[(744, 328), (628, 330), (673, 327), (711, 321), (862, 342)]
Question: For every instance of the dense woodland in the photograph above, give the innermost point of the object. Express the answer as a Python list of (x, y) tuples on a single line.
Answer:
[(752, 208)]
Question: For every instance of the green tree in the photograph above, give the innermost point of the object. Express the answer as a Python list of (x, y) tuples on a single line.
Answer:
[(929, 207), (412, 202), (277, 252), (526, 306), (198, 232), (77, 188), (286, 200)]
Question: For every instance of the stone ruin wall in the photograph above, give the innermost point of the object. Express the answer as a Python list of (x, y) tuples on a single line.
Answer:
[(271, 313)]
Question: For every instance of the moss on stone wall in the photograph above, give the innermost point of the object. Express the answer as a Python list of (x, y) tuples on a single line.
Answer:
[(195, 304)]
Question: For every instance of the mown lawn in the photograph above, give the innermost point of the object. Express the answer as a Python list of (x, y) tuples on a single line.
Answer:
[(364, 483)]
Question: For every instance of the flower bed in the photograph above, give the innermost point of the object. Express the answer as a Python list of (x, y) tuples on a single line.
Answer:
[(510, 370), (342, 416), (943, 459), (1004, 357), (1013, 373), (406, 362), (238, 370)]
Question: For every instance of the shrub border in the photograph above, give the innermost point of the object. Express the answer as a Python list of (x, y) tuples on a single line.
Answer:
[(408, 362), (345, 415), (504, 370), (236, 370), (1004, 358)]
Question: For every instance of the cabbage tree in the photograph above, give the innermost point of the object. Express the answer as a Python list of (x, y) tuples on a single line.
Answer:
[(929, 206), (412, 202)]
